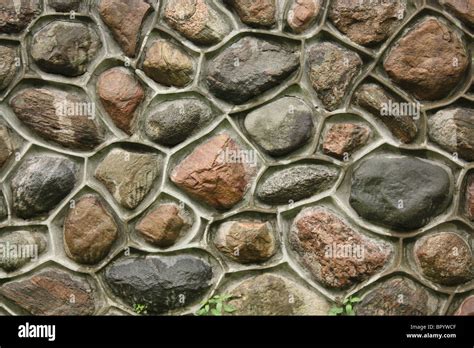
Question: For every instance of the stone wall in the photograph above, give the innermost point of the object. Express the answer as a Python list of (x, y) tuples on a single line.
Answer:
[(290, 154)]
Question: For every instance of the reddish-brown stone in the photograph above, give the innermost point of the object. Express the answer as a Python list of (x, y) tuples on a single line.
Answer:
[(120, 94), (255, 13), (335, 254), (208, 176), (345, 138), (15, 20), (52, 292), (462, 9), (89, 231), (466, 307), (163, 225), (302, 14), (124, 18), (469, 198), (429, 61)]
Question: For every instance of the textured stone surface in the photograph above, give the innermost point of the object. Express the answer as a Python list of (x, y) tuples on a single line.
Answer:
[(445, 258), (168, 64), (376, 100), (246, 241), (269, 294), (250, 67), (295, 183), (3, 207), (429, 61), (14, 18), (30, 245), (196, 20), (8, 65), (367, 22), (398, 296), (59, 116), (302, 14), (469, 197), (343, 139), (65, 48), (453, 130), (124, 18), (399, 192), (255, 13), (52, 292), (7, 144), (462, 9), (40, 183), (163, 225), (466, 307), (128, 175), (336, 255), (65, 5), (331, 70), (209, 176), (162, 283), (172, 122), (120, 93), (281, 126), (89, 230)]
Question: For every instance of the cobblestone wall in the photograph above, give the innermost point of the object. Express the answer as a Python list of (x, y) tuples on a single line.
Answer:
[(285, 155)]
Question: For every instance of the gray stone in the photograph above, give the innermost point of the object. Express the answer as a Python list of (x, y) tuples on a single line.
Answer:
[(7, 144), (197, 20), (62, 117), (403, 193), (161, 283), (65, 48), (272, 294), (376, 100), (11, 243), (8, 65), (281, 126), (250, 67), (295, 183), (128, 175), (65, 5), (453, 130), (172, 122), (331, 70), (14, 18), (397, 296), (40, 183), (3, 207)]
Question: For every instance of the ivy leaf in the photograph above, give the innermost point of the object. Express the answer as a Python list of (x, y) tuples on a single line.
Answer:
[(215, 312), (219, 307), (355, 299), (348, 308), (229, 308)]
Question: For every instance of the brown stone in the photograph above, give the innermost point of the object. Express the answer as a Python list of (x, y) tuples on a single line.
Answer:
[(397, 296), (332, 69), (120, 94), (7, 144), (246, 241), (335, 254), (302, 14), (210, 177), (272, 294), (163, 225), (52, 292), (375, 99), (345, 138), (429, 61), (367, 22), (445, 258), (255, 13), (89, 230), (466, 307), (462, 9), (196, 20), (15, 19), (124, 18), (59, 116), (469, 197), (169, 65), (128, 175), (8, 65)]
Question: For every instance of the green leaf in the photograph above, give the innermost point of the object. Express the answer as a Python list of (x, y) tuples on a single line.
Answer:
[(219, 307), (229, 308), (216, 297), (348, 308), (206, 308), (201, 311), (335, 311), (355, 299), (215, 312)]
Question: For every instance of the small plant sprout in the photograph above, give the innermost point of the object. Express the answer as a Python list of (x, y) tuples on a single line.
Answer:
[(216, 305), (140, 308), (345, 307)]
